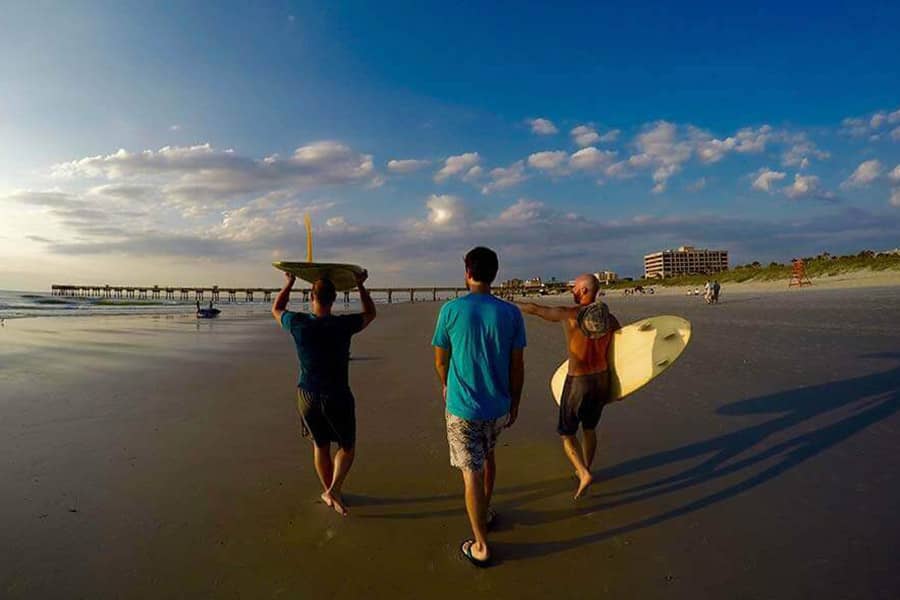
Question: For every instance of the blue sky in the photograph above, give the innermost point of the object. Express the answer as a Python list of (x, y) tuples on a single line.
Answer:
[(147, 143)]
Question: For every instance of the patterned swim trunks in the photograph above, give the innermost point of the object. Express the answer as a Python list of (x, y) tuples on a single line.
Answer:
[(471, 441)]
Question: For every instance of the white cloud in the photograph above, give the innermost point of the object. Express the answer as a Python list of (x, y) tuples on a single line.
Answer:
[(805, 186), (199, 181), (746, 140), (473, 174), (550, 160), (202, 167), (456, 165), (697, 185), (894, 175), (264, 218), (610, 136), (854, 127), (336, 222), (867, 172), (542, 126), (765, 179), (124, 191), (522, 211), (174, 127), (445, 210), (90, 216), (659, 145), (801, 151), (712, 151), (406, 165), (873, 124), (591, 159), (505, 177), (585, 135), (895, 134), (895, 197)]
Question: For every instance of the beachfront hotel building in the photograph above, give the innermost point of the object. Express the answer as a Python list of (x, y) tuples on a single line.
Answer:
[(686, 260)]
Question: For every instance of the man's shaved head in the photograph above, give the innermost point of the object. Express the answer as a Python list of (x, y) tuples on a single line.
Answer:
[(585, 289)]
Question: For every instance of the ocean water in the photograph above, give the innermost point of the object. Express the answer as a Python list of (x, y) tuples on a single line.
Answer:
[(17, 304)]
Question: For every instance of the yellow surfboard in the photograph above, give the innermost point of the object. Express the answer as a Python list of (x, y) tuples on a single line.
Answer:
[(342, 275), (638, 353)]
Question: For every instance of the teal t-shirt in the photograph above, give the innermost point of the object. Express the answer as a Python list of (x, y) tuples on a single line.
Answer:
[(481, 331)]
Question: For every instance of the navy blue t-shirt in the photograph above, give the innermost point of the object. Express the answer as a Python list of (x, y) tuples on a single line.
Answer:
[(323, 347)]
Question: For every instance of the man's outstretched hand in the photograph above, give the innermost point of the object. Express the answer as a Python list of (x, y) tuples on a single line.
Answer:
[(289, 279)]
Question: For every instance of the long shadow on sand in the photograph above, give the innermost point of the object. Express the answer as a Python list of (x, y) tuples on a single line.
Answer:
[(859, 401), (788, 439)]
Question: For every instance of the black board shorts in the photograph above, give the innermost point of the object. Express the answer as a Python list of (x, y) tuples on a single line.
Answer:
[(582, 402), (329, 417)]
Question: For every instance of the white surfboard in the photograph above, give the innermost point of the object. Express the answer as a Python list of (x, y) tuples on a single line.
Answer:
[(637, 353), (342, 275)]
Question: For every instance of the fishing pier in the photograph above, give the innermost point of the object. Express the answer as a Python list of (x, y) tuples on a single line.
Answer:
[(234, 294)]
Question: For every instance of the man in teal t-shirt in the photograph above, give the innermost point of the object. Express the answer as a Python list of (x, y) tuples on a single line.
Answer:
[(479, 343)]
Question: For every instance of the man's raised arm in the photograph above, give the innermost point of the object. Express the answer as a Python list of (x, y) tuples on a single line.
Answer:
[(281, 300), (368, 304), (548, 313)]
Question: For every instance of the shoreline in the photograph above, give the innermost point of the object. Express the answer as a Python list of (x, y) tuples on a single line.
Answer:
[(843, 281)]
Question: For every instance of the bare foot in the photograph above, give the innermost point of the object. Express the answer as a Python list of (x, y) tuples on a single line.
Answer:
[(334, 500), (584, 480)]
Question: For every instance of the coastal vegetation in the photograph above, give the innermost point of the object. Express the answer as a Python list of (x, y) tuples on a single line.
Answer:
[(823, 265)]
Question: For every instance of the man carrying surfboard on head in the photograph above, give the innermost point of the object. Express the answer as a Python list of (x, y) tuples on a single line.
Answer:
[(325, 401), (588, 327), (479, 343)]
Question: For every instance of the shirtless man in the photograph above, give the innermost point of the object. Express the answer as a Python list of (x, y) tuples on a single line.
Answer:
[(588, 327)]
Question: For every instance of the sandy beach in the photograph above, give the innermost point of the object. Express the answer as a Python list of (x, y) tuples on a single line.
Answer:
[(843, 281), (149, 457)]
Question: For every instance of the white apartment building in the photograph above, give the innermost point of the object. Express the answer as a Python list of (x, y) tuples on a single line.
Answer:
[(686, 260)]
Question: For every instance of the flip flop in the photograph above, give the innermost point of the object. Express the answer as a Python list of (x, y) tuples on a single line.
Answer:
[(466, 549)]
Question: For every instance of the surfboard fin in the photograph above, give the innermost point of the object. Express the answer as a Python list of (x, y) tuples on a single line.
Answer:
[(646, 326), (308, 222), (662, 363)]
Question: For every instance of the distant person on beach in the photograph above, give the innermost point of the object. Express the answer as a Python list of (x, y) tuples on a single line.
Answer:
[(716, 289), (326, 404), (479, 344), (708, 292), (588, 328)]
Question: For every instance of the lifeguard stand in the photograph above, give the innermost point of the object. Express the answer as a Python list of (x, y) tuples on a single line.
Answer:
[(798, 274)]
